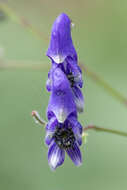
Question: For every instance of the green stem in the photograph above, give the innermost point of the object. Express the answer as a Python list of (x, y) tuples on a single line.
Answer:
[(27, 65), (101, 129), (38, 119), (100, 81), (22, 21)]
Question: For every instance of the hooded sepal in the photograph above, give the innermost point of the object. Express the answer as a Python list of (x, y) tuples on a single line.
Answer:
[(61, 44), (61, 102)]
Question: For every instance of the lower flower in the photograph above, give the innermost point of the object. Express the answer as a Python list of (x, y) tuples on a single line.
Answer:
[(61, 138)]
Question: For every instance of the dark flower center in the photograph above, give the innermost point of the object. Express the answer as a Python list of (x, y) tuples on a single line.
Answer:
[(71, 79), (64, 138)]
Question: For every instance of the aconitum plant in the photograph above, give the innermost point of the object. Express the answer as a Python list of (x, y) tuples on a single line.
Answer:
[(63, 131)]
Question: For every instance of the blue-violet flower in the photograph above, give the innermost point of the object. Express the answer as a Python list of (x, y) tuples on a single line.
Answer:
[(63, 131)]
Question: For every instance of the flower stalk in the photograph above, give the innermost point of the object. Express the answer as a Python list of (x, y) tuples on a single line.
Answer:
[(105, 130), (38, 119), (64, 83)]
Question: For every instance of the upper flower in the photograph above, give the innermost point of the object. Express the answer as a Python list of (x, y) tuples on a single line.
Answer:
[(61, 45)]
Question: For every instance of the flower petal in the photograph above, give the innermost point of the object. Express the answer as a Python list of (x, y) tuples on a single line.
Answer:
[(72, 67), (49, 80), (79, 99), (75, 155), (50, 129), (61, 44), (49, 84), (61, 101), (56, 156), (76, 128)]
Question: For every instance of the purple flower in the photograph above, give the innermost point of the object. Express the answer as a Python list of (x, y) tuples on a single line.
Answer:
[(63, 55), (61, 45), (75, 82), (61, 103), (61, 138)]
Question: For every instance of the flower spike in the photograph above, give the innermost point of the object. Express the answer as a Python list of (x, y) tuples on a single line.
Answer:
[(63, 131)]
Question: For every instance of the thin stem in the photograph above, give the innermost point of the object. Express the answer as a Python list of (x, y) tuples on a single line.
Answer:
[(27, 65), (38, 119), (100, 81), (101, 129), (22, 21)]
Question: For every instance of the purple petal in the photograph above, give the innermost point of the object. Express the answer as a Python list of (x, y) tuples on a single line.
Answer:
[(49, 80), (51, 126), (56, 156), (61, 44), (49, 84), (50, 129), (72, 67), (76, 128), (69, 67), (61, 101), (79, 99), (48, 138), (75, 155)]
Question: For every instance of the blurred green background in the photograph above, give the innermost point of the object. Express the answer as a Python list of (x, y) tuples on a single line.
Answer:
[(100, 37)]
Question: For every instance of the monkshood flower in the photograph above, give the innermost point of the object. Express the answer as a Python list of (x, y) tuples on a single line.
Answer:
[(63, 131), (62, 53), (61, 45), (61, 102), (61, 138)]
